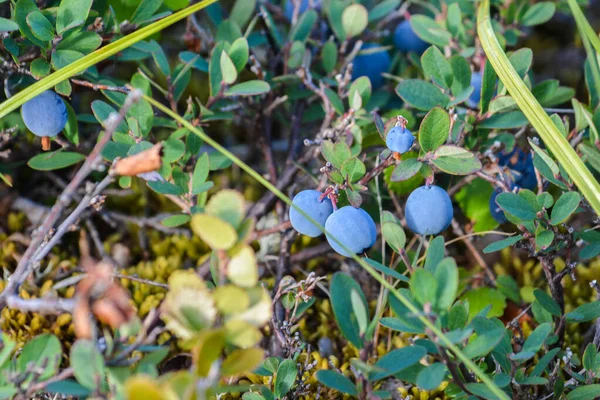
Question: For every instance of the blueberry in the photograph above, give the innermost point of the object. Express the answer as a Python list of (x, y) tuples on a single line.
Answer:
[(406, 39), (475, 97), (521, 164), (45, 114), (308, 201), (354, 227), (399, 139), (372, 65), (428, 210), (495, 210)]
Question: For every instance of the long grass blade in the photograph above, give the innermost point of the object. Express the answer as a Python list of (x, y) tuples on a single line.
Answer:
[(554, 141), (93, 58), (268, 185), (583, 25)]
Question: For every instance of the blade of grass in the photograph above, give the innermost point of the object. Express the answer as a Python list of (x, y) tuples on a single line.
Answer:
[(583, 25), (534, 112), (93, 58), (245, 167)]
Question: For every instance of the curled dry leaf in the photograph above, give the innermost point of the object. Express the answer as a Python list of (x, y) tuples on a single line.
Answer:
[(144, 161), (97, 294)]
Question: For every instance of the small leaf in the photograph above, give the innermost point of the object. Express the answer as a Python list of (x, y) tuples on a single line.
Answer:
[(242, 269), (484, 343), (301, 31), (421, 95), (423, 286), (584, 313), (538, 13), (516, 205), (430, 378), (547, 159), (429, 30), (87, 363), (436, 67), (44, 353), (239, 53), (361, 87), (360, 310), (406, 169), (446, 275), (456, 160), (249, 88), (502, 244), (354, 20), (55, 160), (434, 129), (217, 233), (353, 169), (336, 153), (335, 380), (547, 302), (392, 232), (586, 392), (566, 204), (40, 26), (175, 220), (7, 25), (340, 287), (243, 361), (227, 69), (285, 377), (396, 361), (71, 13), (228, 205)]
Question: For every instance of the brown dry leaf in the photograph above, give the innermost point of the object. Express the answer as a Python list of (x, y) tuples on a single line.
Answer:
[(145, 161)]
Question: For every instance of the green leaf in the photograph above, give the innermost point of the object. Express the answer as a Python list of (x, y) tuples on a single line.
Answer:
[(421, 95), (22, 9), (544, 238), (392, 231), (566, 205), (386, 270), (64, 58), (242, 11), (547, 302), (538, 13), (194, 60), (586, 392), (71, 13), (249, 88), (336, 154), (542, 123), (39, 68), (71, 130), (456, 160), (353, 169), (502, 244), (360, 310), (584, 313), (424, 286), (383, 9), (430, 378), (516, 205), (7, 25), (44, 353), (485, 298), (340, 288), (285, 377), (54, 160), (359, 92), (545, 157), (436, 67), (83, 42), (145, 10), (175, 220), (165, 188), (200, 174), (589, 357), (68, 388), (242, 361), (228, 69), (483, 344), (406, 169), (329, 55), (239, 53), (354, 20), (40, 26), (87, 363), (337, 381), (173, 150), (536, 339), (446, 275), (434, 129), (301, 31), (429, 30), (397, 360), (217, 234), (228, 205)]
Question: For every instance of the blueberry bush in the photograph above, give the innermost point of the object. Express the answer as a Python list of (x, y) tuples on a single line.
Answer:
[(299, 199)]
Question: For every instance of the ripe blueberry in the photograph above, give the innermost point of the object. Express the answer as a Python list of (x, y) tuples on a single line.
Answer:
[(354, 227), (406, 39), (495, 210), (475, 97), (399, 139), (521, 164), (372, 65), (309, 202), (45, 114), (428, 210)]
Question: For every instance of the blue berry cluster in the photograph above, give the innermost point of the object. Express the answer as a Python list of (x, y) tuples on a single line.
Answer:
[(428, 211)]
